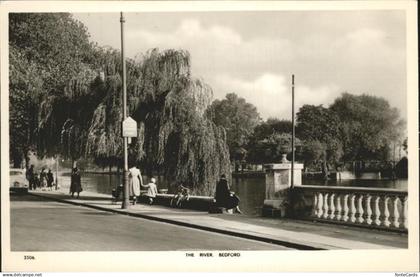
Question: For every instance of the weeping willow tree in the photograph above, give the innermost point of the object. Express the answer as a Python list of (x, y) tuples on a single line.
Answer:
[(64, 118), (175, 137), (72, 111)]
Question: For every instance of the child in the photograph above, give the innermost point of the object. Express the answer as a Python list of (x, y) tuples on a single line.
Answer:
[(151, 190)]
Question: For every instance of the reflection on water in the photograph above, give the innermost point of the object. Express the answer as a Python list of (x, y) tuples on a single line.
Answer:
[(251, 190)]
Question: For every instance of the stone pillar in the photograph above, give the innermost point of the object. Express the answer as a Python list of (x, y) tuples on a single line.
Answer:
[(277, 185)]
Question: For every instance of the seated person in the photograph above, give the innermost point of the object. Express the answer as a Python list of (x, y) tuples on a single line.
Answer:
[(181, 195), (224, 197)]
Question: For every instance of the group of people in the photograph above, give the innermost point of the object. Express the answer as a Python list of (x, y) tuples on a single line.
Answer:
[(136, 181), (224, 198), (42, 180)]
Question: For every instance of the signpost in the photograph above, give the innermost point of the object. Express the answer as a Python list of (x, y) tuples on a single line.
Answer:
[(129, 128)]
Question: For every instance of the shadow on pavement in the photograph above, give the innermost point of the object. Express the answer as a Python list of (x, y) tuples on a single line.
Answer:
[(28, 197), (98, 213)]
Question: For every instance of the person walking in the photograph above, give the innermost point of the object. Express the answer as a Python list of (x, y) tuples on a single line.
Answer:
[(76, 182), (151, 190), (224, 197), (134, 183), (43, 178), (30, 176), (50, 179), (37, 183)]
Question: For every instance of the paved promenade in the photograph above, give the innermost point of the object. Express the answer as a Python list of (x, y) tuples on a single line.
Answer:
[(41, 224), (285, 232)]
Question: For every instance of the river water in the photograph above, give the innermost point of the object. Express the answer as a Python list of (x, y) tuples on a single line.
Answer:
[(251, 190)]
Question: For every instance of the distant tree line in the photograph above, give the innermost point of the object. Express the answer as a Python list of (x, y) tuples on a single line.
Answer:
[(353, 128)]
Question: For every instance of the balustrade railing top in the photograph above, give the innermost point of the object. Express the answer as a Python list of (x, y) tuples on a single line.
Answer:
[(354, 189)]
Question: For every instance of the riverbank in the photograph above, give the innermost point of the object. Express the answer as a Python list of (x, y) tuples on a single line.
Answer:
[(291, 233)]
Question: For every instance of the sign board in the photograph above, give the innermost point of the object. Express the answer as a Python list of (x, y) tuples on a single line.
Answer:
[(129, 128)]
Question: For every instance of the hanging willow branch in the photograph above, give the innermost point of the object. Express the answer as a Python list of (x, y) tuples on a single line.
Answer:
[(175, 137)]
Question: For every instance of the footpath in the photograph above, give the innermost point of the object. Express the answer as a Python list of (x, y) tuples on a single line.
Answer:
[(297, 234)]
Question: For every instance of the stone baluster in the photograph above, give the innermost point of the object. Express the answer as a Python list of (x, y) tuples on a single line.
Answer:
[(377, 211), (338, 217), (332, 206), (396, 213), (326, 206), (320, 203), (368, 210), (405, 212), (346, 208), (360, 210), (314, 205), (386, 221), (353, 208)]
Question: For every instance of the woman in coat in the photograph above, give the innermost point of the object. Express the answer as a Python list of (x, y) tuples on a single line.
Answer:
[(134, 183), (50, 179), (75, 184)]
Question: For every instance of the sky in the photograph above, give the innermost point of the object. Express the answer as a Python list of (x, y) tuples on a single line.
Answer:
[(254, 54)]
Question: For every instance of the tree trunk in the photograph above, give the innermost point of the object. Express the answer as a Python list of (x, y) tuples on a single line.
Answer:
[(27, 158)]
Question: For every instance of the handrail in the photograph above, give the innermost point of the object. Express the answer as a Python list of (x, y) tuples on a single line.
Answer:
[(352, 189)]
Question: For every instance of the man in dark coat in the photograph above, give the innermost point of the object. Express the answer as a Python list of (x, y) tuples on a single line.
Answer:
[(224, 197), (75, 183)]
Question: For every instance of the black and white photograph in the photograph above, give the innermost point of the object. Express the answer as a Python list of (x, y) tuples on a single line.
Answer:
[(223, 135)]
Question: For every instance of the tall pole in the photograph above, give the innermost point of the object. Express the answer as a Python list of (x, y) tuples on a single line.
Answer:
[(126, 196), (293, 133), (56, 172)]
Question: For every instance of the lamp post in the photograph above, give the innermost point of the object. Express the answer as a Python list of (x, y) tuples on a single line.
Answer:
[(126, 200), (292, 180), (56, 172)]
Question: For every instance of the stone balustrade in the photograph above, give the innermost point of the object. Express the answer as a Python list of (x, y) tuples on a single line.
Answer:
[(370, 207)]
